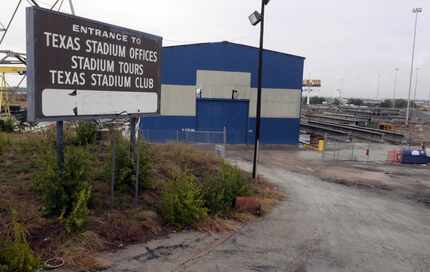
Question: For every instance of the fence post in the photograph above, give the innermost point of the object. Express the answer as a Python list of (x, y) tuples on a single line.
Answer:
[(132, 137), (368, 152), (225, 136), (60, 146), (113, 142), (137, 152), (177, 136), (352, 155), (336, 155)]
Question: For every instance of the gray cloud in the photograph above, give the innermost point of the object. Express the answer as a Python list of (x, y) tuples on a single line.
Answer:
[(341, 39)]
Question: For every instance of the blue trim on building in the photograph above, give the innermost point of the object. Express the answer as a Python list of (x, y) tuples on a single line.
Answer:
[(169, 122), (276, 130), (179, 64), (273, 130), (162, 129)]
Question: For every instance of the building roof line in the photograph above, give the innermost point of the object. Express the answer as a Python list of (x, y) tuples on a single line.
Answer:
[(232, 43)]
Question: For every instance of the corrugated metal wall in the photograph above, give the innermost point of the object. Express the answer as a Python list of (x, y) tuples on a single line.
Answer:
[(217, 69)]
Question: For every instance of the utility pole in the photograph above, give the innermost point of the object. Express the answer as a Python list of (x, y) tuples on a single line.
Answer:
[(416, 11), (396, 71)]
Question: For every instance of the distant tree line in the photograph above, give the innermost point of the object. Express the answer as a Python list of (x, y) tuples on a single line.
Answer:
[(314, 100), (387, 103)]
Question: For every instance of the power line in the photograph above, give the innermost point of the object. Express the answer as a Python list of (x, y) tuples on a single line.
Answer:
[(34, 3), (61, 4), (10, 21), (53, 6)]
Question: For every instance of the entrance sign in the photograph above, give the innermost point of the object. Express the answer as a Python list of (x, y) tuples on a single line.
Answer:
[(79, 68)]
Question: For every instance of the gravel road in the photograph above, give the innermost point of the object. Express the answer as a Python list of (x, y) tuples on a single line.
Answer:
[(321, 227)]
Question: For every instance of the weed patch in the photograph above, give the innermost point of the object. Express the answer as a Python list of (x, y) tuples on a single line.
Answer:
[(15, 253)]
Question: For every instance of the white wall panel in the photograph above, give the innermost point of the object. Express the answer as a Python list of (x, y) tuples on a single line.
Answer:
[(276, 103), (178, 100), (219, 84)]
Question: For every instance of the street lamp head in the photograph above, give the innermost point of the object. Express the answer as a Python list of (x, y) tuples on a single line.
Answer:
[(417, 10), (255, 18), (266, 2)]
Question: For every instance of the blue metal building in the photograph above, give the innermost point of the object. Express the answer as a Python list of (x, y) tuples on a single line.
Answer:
[(209, 86)]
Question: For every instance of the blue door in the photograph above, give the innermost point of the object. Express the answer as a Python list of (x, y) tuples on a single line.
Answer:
[(215, 114)]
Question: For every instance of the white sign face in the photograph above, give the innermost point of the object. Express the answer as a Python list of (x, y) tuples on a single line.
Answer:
[(88, 102), (79, 68)]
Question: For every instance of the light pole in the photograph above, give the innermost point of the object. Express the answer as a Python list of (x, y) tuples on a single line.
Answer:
[(378, 86), (416, 86), (396, 71), (429, 98), (416, 11), (256, 18)]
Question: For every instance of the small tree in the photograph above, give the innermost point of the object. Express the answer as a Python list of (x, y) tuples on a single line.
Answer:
[(355, 101), (317, 100), (387, 103), (403, 103)]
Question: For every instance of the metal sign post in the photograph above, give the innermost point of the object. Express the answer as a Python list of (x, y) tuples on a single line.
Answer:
[(60, 146)]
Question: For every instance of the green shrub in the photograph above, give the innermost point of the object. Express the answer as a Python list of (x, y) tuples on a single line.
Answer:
[(7, 125), (181, 201), (125, 170), (65, 194), (78, 217), (220, 191), (86, 133), (15, 253)]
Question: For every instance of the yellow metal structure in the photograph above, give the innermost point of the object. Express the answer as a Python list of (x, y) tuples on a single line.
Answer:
[(4, 96), (12, 69)]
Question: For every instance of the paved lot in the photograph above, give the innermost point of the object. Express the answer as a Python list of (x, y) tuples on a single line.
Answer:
[(322, 226)]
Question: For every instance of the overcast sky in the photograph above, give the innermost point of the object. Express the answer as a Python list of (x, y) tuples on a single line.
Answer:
[(346, 43)]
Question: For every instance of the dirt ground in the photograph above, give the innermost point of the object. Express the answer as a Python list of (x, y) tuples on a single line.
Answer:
[(338, 216), (393, 180)]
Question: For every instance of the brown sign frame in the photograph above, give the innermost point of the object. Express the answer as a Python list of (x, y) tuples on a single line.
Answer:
[(62, 53)]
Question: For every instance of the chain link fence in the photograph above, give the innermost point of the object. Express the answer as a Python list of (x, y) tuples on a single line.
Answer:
[(209, 140), (357, 151)]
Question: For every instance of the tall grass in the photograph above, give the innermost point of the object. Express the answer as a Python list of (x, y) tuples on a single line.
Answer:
[(4, 142)]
